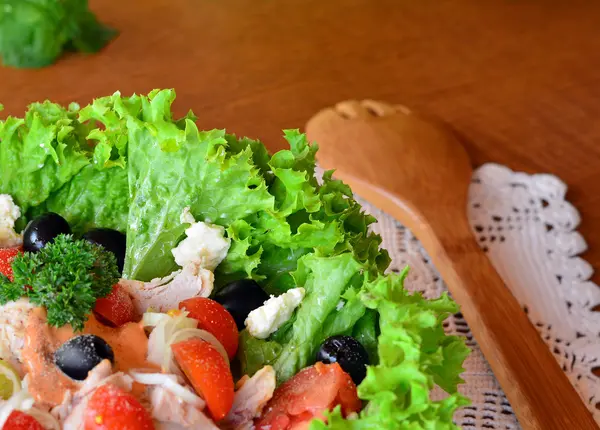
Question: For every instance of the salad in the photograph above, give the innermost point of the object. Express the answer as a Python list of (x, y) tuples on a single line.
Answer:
[(155, 276)]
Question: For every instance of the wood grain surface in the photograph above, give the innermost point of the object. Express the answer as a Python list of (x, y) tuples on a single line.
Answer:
[(519, 79)]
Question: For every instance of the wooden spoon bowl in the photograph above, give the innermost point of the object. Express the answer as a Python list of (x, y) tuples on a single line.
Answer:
[(418, 172)]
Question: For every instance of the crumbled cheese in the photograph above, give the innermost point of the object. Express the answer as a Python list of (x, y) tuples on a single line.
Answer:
[(186, 216), (9, 213), (205, 245), (264, 321)]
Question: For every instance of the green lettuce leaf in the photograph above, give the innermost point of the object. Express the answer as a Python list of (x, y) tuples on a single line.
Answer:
[(33, 33), (414, 355), (172, 165), (255, 353), (366, 331), (41, 152), (324, 280), (92, 199)]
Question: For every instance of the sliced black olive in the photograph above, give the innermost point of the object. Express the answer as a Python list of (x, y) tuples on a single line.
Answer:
[(240, 298), (42, 230), (111, 240), (80, 354), (348, 352)]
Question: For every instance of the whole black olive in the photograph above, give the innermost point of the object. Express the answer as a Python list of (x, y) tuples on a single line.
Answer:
[(111, 240), (348, 352), (42, 230), (80, 354), (240, 298)]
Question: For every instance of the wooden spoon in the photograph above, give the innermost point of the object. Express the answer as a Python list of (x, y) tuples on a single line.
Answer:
[(418, 172)]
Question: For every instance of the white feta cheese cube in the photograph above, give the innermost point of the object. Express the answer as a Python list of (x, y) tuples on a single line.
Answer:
[(205, 245), (264, 321)]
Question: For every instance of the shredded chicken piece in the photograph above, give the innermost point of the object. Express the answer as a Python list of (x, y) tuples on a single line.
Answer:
[(250, 399), (165, 293), (167, 408), (13, 322)]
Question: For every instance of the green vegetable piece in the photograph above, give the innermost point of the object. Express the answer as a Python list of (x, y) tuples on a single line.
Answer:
[(33, 33), (414, 355), (324, 279), (67, 276), (40, 153), (93, 198)]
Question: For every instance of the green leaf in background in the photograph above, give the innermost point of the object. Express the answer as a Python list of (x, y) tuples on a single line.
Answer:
[(33, 33)]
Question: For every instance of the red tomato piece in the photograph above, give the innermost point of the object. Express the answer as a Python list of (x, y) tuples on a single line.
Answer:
[(308, 395), (111, 408), (116, 308), (208, 373), (7, 255), (18, 420), (215, 319)]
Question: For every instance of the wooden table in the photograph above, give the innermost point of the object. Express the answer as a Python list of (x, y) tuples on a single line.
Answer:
[(519, 79)]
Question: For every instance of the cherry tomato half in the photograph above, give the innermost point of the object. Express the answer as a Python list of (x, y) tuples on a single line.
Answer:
[(18, 420), (116, 308), (307, 395), (7, 255), (208, 373), (215, 319), (111, 408)]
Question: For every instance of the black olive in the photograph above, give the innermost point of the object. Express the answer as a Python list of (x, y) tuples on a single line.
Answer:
[(348, 352), (80, 354), (111, 240), (42, 230), (240, 298)]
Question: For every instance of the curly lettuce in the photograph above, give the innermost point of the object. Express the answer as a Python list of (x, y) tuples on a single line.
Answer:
[(414, 355)]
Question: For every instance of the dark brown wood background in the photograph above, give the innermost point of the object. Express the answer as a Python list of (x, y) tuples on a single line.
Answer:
[(520, 79)]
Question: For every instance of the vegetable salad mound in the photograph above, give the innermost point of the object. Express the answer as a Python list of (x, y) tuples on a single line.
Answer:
[(126, 164)]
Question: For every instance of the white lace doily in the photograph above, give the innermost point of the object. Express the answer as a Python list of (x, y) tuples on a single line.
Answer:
[(527, 229)]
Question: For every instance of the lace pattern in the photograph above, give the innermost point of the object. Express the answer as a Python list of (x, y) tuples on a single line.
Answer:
[(527, 229)]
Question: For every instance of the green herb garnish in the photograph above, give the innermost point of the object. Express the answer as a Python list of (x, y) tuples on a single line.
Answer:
[(66, 277)]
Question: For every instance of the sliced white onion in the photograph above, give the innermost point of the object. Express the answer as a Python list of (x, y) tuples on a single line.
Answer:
[(146, 377), (188, 333), (157, 342), (169, 382), (152, 319), (184, 394)]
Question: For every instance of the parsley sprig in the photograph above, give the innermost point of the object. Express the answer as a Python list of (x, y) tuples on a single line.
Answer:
[(67, 276)]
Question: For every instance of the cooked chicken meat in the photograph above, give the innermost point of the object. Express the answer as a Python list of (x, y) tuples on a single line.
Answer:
[(250, 399)]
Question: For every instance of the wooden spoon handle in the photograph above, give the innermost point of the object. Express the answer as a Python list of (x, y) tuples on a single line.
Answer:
[(537, 388)]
